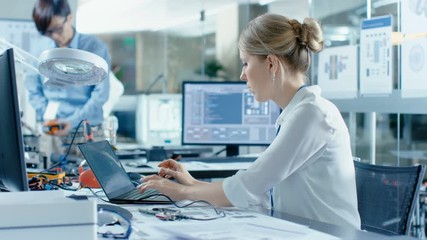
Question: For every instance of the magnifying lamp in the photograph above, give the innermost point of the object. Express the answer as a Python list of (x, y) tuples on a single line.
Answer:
[(63, 66), (67, 66)]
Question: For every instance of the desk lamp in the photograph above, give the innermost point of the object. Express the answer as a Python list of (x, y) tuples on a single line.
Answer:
[(63, 66)]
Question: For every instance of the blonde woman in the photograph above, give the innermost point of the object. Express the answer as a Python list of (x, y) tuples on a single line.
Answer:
[(308, 169)]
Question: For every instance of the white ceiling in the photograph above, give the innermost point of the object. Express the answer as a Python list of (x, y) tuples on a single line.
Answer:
[(101, 16), (112, 16)]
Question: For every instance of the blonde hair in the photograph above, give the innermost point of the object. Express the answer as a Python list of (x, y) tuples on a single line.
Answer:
[(283, 37)]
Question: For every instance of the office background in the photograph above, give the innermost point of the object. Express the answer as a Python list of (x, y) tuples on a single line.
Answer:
[(170, 41)]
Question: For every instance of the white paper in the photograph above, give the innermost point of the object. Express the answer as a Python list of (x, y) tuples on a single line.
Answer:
[(265, 228), (338, 72), (413, 16), (414, 49), (237, 224), (414, 68), (376, 56), (23, 34)]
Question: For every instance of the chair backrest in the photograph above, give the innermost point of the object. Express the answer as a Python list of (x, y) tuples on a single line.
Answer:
[(387, 196)]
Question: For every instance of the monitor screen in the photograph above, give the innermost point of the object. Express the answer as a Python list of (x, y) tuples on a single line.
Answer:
[(162, 120), (13, 176), (226, 113)]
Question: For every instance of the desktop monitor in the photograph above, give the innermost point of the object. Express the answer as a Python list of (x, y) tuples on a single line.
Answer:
[(161, 120), (226, 113), (13, 176)]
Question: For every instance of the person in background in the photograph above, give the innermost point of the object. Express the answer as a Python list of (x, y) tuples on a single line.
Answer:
[(53, 19), (66, 105), (308, 169)]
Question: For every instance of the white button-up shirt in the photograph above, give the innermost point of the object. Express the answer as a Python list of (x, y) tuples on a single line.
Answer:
[(309, 165)]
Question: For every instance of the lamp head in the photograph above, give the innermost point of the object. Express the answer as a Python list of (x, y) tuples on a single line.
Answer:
[(67, 66)]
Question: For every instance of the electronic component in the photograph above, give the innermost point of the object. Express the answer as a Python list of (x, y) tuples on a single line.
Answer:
[(52, 126), (58, 176), (165, 214)]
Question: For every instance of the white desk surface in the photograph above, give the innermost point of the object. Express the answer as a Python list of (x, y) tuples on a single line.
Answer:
[(190, 166), (238, 224)]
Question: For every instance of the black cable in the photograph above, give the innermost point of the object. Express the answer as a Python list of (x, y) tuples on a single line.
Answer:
[(183, 216), (64, 187), (220, 214), (218, 152), (68, 151), (201, 201)]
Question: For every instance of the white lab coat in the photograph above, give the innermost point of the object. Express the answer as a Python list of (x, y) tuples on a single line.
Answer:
[(309, 165)]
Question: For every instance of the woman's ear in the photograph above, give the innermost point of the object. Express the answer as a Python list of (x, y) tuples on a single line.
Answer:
[(273, 64)]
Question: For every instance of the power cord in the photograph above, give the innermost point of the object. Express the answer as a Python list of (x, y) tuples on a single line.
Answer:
[(64, 159), (96, 194), (168, 214), (218, 152)]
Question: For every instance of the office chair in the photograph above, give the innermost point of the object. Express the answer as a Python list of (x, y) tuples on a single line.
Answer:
[(387, 196)]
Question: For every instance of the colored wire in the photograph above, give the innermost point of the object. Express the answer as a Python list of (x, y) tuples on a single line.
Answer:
[(68, 151)]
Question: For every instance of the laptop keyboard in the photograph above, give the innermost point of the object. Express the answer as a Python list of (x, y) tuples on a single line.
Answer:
[(136, 194)]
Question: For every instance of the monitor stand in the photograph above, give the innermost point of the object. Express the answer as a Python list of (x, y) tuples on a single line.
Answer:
[(232, 150)]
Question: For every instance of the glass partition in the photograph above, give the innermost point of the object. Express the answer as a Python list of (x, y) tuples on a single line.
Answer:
[(385, 128), (389, 128)]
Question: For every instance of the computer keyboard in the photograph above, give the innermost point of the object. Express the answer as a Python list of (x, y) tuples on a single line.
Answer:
[(217, 159)]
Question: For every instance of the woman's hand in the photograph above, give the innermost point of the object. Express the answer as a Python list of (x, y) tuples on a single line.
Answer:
[(173, 169), (207, 191), (174, 190)]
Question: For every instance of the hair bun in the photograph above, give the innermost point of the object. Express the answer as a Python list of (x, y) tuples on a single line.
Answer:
[(300, 32), (311, 35)]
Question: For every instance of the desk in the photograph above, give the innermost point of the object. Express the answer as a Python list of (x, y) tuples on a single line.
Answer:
[(340, 232), (198, 170), (257, 223), (149, 227), (238, 224)]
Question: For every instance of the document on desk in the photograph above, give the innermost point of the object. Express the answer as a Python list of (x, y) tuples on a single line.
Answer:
[(260, 227)]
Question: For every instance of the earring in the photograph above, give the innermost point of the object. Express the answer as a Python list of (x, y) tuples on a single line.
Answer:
[(273, 78)]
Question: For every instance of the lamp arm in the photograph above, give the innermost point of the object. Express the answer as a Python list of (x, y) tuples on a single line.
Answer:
[(21, 56)]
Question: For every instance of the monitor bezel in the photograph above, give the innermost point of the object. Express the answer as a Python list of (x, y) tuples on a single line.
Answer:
[(14, 175)]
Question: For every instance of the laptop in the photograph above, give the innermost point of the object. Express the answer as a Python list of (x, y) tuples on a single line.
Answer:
[(113, 178)]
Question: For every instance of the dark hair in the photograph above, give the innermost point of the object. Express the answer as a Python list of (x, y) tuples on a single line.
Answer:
[(44, 10), (283, 37)]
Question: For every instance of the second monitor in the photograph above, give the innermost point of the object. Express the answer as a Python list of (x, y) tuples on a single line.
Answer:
[(226, 113)]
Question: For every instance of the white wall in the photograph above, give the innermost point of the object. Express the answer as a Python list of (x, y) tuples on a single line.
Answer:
[(17, 9)]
